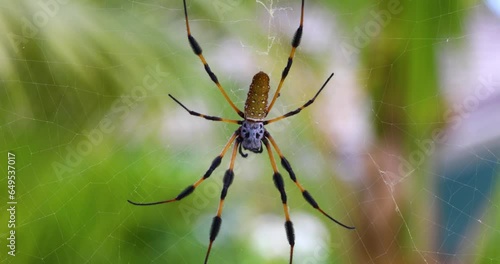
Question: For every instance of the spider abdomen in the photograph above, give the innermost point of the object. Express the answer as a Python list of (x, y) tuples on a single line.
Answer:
[(251, 134), (256, 103)]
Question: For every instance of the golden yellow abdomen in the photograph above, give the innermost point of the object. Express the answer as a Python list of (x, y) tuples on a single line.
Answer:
[(256, 104)]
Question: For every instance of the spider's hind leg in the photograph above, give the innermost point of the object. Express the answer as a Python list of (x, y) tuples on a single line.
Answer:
[(199, 52), (295, 43)]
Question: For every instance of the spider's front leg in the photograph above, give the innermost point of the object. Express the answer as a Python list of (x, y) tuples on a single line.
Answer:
[(307, 196), (280, 185), (190, 189), (227, 181)]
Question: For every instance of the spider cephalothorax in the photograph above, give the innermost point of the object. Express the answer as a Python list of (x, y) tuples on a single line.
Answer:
[(251, 135)]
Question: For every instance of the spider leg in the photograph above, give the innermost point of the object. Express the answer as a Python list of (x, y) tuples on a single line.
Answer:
[(295, 43), (296, 111), (212, 118), (307, 196), (198, 51), (188, 190), (227, 181), (280, 185)]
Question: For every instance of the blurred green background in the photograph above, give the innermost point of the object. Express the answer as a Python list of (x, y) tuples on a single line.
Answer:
[(84, 106)]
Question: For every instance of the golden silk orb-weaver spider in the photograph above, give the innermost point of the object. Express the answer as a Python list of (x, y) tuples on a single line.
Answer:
[(250, 135)]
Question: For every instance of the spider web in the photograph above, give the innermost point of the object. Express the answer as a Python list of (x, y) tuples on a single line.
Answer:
[(85, 108)]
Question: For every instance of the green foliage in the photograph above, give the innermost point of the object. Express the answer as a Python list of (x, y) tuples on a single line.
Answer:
[(84, 106)]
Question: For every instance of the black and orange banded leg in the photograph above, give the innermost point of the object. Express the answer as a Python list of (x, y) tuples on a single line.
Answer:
[(212, 118), (188, 190), (280, 185), (227, 181), (307, 196), (296, 111), (198, 51), (295, 43)]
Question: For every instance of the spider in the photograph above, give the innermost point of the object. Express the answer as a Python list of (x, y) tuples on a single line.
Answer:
[(250, 136)]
